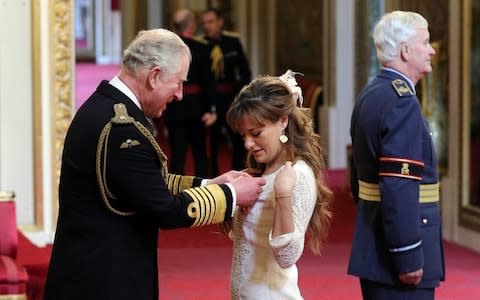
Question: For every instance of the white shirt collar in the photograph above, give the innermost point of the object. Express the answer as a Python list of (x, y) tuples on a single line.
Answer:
[(116, 82)]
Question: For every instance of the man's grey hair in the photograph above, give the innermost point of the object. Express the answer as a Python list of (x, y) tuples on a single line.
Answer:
[(156, 48), (392, 30)]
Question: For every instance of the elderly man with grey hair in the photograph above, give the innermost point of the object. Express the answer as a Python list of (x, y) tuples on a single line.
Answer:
[(397, 249), (115, 191)]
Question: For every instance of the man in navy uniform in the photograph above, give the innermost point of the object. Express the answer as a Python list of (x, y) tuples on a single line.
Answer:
[(187, 120), (232, 72), (115, 192), (397, 247)]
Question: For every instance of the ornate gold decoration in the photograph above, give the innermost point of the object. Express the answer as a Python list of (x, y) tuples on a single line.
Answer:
[(62, 79), (37, 116)]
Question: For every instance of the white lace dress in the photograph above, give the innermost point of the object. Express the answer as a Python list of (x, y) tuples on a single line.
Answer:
[(262, 267)]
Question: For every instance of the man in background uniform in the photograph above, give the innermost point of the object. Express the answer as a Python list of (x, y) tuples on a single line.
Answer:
[(230, 67), (186, 120), (397, 249)]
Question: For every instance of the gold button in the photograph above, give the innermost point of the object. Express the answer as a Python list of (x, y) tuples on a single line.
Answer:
[(425, 221)]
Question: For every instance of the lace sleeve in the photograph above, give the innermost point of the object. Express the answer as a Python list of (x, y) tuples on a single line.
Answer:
[(288, 247)]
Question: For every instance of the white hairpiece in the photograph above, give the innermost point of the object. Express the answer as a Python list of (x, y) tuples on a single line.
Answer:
[(289, 78)]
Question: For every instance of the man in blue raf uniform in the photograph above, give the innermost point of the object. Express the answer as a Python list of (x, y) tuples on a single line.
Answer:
[(187, 120), (397, 248), (115, 192), (230, 66)]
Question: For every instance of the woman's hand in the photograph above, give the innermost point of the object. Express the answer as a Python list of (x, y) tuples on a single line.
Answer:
[(227, 177)]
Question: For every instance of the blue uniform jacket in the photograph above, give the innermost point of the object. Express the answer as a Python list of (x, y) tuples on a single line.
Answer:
[(394, 166)]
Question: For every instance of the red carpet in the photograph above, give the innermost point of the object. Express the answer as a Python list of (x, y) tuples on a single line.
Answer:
[(195, 263)]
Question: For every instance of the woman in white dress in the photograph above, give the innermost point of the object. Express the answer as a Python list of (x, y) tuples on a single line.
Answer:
[(268, 239)]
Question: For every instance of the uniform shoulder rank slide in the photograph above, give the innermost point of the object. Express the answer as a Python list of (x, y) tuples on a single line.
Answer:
[(402, 88), (200, 39), (400, 167), (121, 114), (231, 33)]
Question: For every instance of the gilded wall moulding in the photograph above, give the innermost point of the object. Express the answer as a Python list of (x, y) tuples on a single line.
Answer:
[(62, 70)]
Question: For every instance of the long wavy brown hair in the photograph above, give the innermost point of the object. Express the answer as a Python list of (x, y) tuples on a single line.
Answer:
[(267, 99)]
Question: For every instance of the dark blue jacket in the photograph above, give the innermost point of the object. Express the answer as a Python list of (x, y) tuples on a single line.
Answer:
[(395, 184)]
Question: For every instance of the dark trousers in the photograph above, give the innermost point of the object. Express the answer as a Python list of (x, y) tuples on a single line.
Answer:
[(376, 291), (180, 137)]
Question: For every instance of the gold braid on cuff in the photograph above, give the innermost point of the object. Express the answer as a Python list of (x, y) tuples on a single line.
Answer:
[(208, 206)]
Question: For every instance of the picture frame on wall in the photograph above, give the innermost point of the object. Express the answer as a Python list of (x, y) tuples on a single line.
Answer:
[(469, 212)]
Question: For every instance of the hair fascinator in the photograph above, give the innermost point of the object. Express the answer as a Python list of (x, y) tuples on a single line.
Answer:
[(289, 78)]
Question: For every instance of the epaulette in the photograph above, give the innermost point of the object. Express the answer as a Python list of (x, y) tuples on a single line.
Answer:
[(231, 33), (200, 39), (121, 117), (402, 88)]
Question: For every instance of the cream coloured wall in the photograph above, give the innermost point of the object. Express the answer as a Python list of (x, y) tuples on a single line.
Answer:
[(46, 193), (16, 109), (35, 109), (339, 115)]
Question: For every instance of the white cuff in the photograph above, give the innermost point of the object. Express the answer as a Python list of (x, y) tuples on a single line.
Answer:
[(234, 198)]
